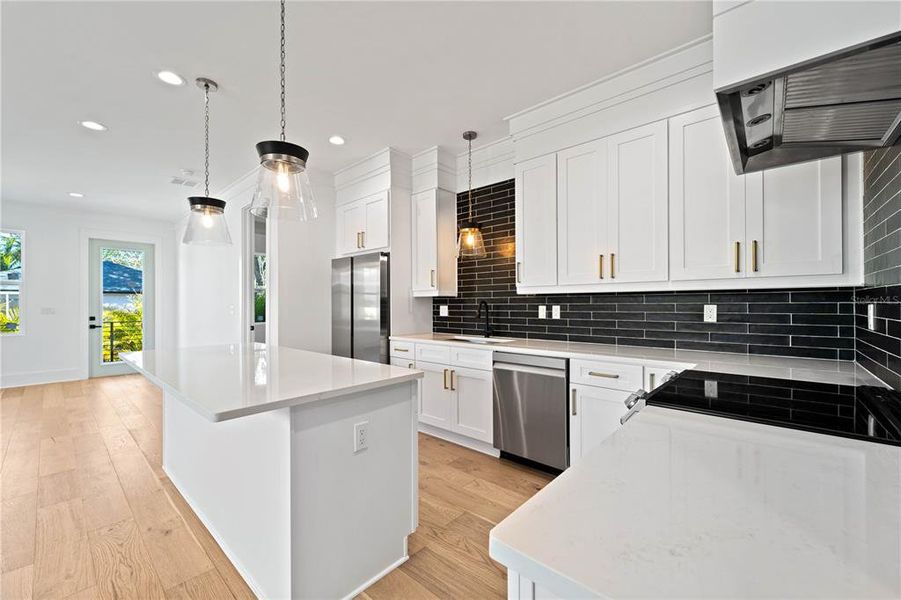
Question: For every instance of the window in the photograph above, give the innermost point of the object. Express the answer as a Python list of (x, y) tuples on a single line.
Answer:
[(259, 287), (10, 281)]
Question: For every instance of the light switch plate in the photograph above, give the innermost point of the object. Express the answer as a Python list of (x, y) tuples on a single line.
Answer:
[(710, 313), (555, 312), (442, 310), (542, 312), (871, 317)]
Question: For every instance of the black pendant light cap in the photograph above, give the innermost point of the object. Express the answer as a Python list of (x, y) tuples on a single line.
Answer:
[(206, 201), (270, 147), (471, 225)]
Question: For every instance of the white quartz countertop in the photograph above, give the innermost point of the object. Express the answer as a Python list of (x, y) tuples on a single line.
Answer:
[(229, 381), (682, 505), (840, 372)]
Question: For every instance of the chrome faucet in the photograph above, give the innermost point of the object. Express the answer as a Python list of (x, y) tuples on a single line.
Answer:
[(484, 304)]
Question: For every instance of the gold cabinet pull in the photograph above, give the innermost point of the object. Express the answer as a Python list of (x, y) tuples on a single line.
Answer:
[(754, 255), (453, 387), (358, 239), (401, 350), (737, 257), (518, 272), (606, 375), (432, 277), (600, 266), (612, 265), (362, 239), (445, 379), (573, 404)]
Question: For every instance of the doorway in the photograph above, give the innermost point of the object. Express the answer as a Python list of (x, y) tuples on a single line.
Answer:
[(121, 303), (259, 279)]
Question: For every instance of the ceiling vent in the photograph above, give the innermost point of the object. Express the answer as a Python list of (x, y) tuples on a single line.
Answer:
[(185, 182)]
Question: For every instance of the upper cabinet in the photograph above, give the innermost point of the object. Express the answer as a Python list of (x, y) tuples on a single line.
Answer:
[(363, 225), (434, 243), (595, 214), (780, 222), (536, 221)]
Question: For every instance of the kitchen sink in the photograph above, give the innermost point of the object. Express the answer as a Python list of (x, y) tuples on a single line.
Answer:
[(480, 339)]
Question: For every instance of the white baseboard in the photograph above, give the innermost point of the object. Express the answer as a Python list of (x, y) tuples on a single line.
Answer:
[(38, 377), (387, 570), (460, 440), (225, 549)]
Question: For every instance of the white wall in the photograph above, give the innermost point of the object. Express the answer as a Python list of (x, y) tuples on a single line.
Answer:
[(54, 342), (210, 279)]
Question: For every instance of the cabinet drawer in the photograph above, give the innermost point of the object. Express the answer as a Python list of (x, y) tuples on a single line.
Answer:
[(469, 357), (406, 363), (432, 353), (615, 376), (404, 350)]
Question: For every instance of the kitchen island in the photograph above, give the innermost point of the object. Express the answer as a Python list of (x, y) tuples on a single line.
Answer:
[(678, 504), (303, 466)]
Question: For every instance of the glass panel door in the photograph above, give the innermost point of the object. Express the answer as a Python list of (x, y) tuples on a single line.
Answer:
[(121, 303)]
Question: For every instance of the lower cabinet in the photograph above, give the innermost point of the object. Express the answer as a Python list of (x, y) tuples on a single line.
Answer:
[(594, 414), (457, 399)]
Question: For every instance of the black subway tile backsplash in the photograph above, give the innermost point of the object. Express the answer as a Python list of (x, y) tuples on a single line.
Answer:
[(785, 322)]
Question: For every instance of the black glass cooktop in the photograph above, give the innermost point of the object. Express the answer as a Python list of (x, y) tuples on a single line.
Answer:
[(865, 412)]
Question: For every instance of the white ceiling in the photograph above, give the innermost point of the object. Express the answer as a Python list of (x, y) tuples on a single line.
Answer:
[(404, 74)]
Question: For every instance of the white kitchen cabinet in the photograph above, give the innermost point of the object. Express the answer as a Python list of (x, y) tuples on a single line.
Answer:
[(794, 220), (434, 243), (637, 204), (582, 237), (536, 221), (473, 416), (363, 225), (594, 414), (437, 404), (707, 200)]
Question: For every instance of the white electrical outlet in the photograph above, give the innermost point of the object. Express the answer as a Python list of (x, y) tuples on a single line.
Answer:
[(542, 312), (710, 313), (442, 310), (555, 312), (871, 317), (710, 388), (361, 436)]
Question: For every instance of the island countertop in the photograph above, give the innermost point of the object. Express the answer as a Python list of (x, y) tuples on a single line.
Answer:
[(677, 504), (235, 380)]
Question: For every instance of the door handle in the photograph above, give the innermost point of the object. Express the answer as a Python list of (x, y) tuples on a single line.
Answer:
[(432, 277), (573, 403), (453, 373), (445, 379), (607, 375), (362, 239), (600, 266), (737, 256), (518, 272), (358, 239), (612, 265), (754, 255), (92, 326)]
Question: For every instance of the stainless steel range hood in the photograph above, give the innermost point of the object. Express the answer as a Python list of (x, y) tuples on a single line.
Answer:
[(845, 102)]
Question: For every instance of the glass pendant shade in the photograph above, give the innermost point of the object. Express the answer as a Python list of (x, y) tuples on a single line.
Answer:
[(283, 188), (206, 222), (470, 243)]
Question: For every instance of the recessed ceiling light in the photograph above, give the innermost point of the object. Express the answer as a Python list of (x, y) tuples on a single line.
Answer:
[(93, 125), (337, 140), (170, 78), (76, 194)]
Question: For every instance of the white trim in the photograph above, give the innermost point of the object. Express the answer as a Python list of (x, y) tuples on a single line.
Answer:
[(84, 265), (460, 440), (39, 377), (387, 570), (239, 567)]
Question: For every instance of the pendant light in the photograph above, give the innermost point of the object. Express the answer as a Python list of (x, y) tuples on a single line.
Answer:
[(206, 222), (283, 188), (470, 243)]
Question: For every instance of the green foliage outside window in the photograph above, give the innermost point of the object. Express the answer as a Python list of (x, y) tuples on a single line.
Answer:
[(123, 329)]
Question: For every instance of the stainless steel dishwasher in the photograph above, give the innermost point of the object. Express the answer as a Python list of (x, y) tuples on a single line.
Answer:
[(530, 408)]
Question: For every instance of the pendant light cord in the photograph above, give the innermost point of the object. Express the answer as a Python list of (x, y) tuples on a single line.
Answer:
[(470, 179), (282, 68), (206, 139)]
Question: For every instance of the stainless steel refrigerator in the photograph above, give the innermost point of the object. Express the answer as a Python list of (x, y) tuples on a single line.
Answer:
[(360, 307)]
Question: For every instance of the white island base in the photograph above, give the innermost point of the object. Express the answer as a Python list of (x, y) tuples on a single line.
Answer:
[(295, 510), (273, 469)]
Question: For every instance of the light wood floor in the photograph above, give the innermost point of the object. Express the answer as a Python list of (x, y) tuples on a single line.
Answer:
[(87, 511)]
